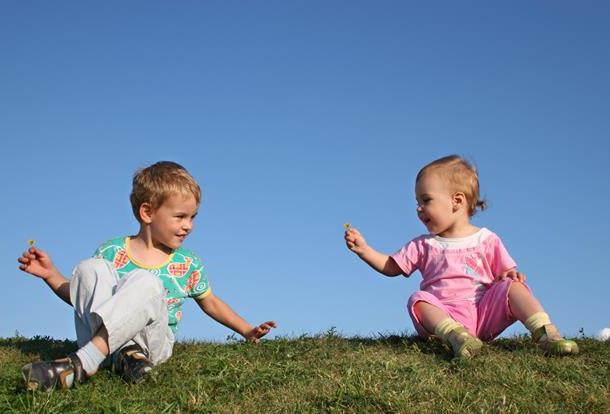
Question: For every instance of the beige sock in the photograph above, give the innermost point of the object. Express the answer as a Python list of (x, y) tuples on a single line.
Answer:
[(537, 321), (444, 327)]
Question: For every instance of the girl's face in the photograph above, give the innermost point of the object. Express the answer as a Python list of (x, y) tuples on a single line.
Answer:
[(435, 204), (173, 220)]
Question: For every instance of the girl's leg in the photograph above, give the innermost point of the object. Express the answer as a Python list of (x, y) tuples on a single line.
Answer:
[(528, 310), (522, 302), (430, 316)]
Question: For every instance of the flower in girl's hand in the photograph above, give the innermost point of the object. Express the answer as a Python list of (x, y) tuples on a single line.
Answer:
[(31, 242), (347, 226)]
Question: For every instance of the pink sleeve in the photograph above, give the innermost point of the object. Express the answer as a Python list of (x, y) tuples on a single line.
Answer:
[(408, 258), (499, 258)]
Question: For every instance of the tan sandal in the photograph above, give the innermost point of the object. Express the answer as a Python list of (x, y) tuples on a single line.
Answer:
[(551, 342), (464, 345)]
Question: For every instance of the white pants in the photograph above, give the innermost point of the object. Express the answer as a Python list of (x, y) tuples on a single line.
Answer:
[(133, 309)]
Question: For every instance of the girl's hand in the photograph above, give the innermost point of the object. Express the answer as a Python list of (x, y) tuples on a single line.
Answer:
[(36, 262), (259, 331), (355, 241), (512, 274)]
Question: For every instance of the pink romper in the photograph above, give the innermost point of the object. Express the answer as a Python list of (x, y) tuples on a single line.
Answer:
[(459, 277)]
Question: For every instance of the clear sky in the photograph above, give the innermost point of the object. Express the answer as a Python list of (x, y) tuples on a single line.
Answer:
[(297, 117)]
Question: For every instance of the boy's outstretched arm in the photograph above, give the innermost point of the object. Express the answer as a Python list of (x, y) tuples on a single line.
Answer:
[(38, 263), (382, 263), (218, 310)]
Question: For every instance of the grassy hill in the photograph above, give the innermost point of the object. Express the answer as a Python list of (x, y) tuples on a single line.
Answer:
[(327, 374)]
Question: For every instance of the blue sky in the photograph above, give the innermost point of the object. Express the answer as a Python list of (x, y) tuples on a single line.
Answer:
[(297, 117)]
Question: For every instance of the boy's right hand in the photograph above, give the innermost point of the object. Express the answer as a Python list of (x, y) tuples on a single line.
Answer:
[(36, 262), (355, 241)]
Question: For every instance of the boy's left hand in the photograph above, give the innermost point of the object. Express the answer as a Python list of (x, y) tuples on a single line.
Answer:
[(513, 274), (259, 331)]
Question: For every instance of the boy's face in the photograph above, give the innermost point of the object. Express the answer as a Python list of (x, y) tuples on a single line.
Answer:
[(173, 220)]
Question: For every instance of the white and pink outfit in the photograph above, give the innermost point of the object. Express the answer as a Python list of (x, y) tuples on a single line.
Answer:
[(460, 278)]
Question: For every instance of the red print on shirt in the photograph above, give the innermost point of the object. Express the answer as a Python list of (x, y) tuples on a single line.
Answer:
[(179, 269), (120, 259)]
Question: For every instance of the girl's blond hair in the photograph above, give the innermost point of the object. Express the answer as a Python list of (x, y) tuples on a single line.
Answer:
[(462, 177), (157, 182)]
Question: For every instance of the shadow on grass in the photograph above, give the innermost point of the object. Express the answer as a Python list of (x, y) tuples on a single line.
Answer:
[(512, 344), (399, 343)]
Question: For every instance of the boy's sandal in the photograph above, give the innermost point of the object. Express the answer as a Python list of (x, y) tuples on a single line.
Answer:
[(551, 342), (464, 345), (60, 373), (132, 364)]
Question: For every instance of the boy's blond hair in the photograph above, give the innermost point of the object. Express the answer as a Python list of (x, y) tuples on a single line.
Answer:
[(159, 181), (462, 177)]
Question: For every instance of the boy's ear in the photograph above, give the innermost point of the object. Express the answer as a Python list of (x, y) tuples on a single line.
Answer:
[(459, 201), (146, 213)]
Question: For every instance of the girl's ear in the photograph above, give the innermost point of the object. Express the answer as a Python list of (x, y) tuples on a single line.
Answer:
[(459, 201), (146, 213)]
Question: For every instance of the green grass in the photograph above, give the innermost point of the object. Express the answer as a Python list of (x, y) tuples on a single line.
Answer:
[(327, 374)]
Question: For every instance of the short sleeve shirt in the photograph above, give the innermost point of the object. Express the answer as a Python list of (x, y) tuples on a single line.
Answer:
[(182, 274), (455, 269)]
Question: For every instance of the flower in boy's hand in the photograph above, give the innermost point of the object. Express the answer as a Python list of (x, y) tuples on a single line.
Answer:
[(347, 226), (31, 242)]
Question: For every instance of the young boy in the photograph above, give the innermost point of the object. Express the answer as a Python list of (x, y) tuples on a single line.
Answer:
[(128, 298)]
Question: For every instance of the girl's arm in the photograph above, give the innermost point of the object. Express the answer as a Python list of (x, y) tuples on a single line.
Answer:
[(38, 263), (513, 274), (218, 310), (381, 262)]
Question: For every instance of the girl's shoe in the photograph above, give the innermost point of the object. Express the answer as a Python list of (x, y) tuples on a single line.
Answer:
[(47, 375), (464, 345), (132, 364), (551, 342)]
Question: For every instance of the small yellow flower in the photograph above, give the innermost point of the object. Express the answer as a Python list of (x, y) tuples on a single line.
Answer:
[(347, 226), (31, 242)]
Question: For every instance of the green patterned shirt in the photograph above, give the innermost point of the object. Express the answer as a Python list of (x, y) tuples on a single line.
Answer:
[(182, 274)]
